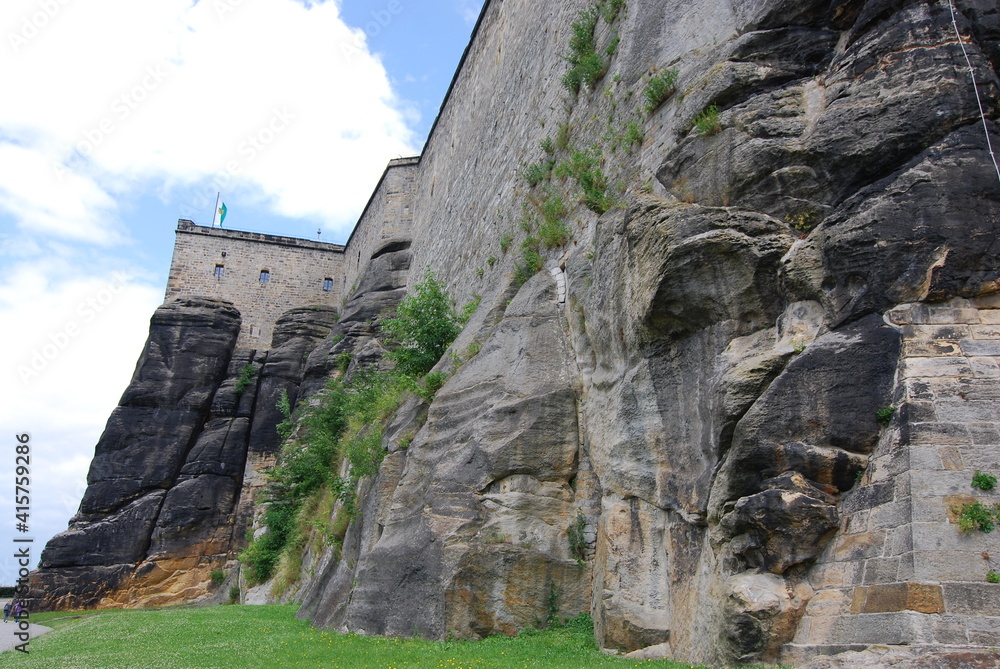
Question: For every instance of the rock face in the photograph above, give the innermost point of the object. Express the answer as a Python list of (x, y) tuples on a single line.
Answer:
[(711, 394), (160, 513)]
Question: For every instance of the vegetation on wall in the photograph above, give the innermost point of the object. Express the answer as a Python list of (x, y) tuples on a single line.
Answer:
[(338, 440)]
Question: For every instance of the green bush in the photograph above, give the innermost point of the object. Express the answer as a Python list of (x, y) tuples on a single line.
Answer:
[(285, 427), (977, 516), (531, 261), (218, 576), (586, 66), (424, 326), (505, 242), (992, 577), (469, 309), (984, 481), (246, 376), (707, 122), (611, 8), (885, 414), (659, 88), (536, 173), (430, 385), (562, 136), (584, 168), (632, 135)]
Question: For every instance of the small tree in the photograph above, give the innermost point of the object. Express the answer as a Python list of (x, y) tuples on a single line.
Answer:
[(424, 326)]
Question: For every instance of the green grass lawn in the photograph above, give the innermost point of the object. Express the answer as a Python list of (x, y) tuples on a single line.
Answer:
[(271, 636)]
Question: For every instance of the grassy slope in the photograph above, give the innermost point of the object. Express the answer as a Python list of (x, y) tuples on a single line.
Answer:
[(270, 636)]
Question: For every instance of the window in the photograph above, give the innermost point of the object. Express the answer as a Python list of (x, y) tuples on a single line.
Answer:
[(218, 271), (265, 276), (327, 284)]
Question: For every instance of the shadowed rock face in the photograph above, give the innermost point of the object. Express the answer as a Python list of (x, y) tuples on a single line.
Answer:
[(160, 511)]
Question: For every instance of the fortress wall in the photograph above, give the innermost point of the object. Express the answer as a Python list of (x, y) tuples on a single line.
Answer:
[(471, 189), (297, 267), (387, 218)]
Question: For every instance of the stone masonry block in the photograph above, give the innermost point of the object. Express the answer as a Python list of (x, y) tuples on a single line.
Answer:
[(906, 314), (890, 515), (990, 301), (892, 628), (881, 570), (951, 457), (925, 456), (985, 368), (964, 315), (989, 316), (930, 367), (928, 509), (867, 497), (973, 598), (975, 348), (929, 349), (982, 630), (899, 542), (963, 563), (941, 483), (939, 433), (833, 602), (984, 455), (890, 597), (920, 411), (860, 546), (967, 411), (978, 389), (931, 333), (942, 537), (985, 331)]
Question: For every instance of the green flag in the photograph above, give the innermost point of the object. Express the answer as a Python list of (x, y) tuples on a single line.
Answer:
[(222, 213)]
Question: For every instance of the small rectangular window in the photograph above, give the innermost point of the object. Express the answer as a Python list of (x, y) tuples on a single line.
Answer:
[(218, 271), (265, 276), (327, 284)]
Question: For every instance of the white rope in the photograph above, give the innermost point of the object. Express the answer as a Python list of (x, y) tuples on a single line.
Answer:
[(972, 73)]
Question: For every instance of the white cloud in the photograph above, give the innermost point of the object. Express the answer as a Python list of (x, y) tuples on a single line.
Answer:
[(122, 92)]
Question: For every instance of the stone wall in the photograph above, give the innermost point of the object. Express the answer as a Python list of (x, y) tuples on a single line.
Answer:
[(297, 270), (386, 222), (900, 572)]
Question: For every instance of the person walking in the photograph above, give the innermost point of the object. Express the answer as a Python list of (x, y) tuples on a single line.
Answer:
[(6, 611)]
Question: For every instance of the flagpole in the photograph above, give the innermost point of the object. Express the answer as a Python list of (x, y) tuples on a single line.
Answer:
[(215, 217)]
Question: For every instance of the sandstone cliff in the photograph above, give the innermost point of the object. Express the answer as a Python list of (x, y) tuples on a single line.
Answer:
[(675, 425)]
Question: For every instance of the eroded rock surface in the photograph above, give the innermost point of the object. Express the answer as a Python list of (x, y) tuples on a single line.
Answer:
[(161, 508)]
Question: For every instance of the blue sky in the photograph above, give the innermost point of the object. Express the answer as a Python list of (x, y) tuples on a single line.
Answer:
[(121, 117)]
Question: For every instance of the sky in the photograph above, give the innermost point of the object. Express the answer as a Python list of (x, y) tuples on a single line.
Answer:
[(120, 117)]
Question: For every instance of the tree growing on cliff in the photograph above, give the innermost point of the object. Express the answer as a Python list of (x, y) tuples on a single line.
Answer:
[(424, 326)]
